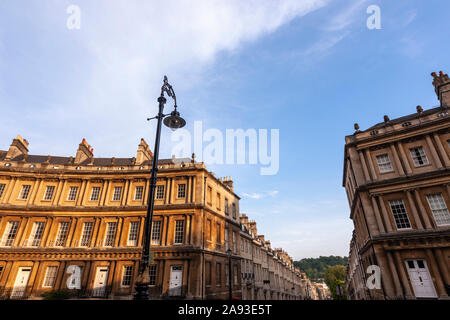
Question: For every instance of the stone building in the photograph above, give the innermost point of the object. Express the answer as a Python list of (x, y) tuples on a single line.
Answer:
[(82, 217), (397, 179)]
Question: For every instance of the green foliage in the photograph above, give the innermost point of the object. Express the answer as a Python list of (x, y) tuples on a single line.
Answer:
[(315, 267), (57, 295), (335, 276)]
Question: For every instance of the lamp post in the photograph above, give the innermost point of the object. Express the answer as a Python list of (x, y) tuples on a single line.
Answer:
[(173, 121), (230, 283)]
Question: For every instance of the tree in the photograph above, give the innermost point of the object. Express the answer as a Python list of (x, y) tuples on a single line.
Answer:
[(335, 280)]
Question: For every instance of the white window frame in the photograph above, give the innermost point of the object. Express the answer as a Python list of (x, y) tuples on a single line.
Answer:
[(24, 192), (49, 191), (156, 226), (36, 235), (2, 189), (83, 234), (153, 273), (10, 233), (127, 274), (384, 163), (439, 209), (110, 234), (417, 152), (179, 232), (181, 192), (140, 193), (159, 192), (133, 232), (399, 202), (63, 230), (95, 193), (51, 273), (72, 194), (117, 194)]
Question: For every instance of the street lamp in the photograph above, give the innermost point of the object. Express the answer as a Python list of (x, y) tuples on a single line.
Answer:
[(230, 283), (173, 121)]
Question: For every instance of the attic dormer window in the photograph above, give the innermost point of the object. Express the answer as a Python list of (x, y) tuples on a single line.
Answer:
[(55, 167), (7, 164), (99, 168), (374, 132), (442, 114), (32, 166), (406, 124)]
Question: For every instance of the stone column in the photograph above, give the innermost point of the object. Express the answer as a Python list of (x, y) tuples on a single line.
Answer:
[(433, 151), (369, 214), (377, 214), (386, 277), (441, 150), (404, 279), (61, 192), (442, 265), (397, 160), (414, 211), (385, 214), (405, 159), (439, 282), (80, 195), (398, 287), (371, 165), (8, 190), (57, 193), (364, 166), (37, 185), (424, 213)]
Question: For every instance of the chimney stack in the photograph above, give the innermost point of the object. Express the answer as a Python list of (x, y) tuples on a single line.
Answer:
[(143, 153), (19, 146), (84, 152), (441, 85)]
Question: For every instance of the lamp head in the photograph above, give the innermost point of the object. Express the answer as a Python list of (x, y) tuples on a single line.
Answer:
[(174, 121)]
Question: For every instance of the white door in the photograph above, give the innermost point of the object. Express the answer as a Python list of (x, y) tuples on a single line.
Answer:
[(20, 285), (101, 278), (176, 280), (420, 279)]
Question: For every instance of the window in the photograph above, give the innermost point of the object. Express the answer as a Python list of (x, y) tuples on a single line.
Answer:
[(234, 242), (242, 244), (86, 234), (208, 273), (227, 279), (50, 277), (209, 195), (72, 194), (117, 193), (400, 214), (49, 193), (25, 192), (419, 157), (10, 234), (218, 233), (110, 234), (181, 191), (95, 193), (235, 274), (218, 274), (133, 233), (156, 232), (61, 236), (2, 189), (226, 206), (179, 231), (127, 275), (384, 164), (138, 193), (36, 234), (152, 274), (439, 209), (226, 239), (218, 201), (160, 192), (209, 230), (234, 210)]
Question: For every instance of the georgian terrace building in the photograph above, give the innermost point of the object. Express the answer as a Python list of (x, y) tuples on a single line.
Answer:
[(271, 273), (60, 214), (397, 178)]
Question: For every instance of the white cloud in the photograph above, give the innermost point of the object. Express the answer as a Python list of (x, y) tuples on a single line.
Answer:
[(261, 195), (130, 45), (347, 16)]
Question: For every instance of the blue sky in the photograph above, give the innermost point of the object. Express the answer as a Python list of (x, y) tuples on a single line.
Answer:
[(308, 68)]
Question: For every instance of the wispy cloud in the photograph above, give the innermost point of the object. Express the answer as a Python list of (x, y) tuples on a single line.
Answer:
[(261, 195), (347, 16)]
